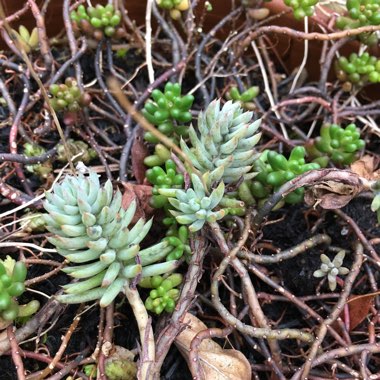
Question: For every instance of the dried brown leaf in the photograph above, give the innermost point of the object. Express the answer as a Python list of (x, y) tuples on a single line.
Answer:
[(359, 307), (365, 167), (216, 362), (331, 194), (139, 151), (142, 195)]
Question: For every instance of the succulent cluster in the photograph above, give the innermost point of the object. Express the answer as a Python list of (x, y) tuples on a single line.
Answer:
[(97, 21), (168, 111), (331, 269), (12, 278), (164, 293), (68, 96), (175, 7), (179, 240), (275, 169), (76, 147), (358, 70), (28, 41), (194, 207), (361, 13), (163, 179), (159, 157), (225, 148), (91, 229), (301, 8), (43, 169), (245, 98), (337, 144)]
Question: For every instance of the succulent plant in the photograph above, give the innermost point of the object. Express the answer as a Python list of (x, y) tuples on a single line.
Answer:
[(12, 277), (174, 6), (76, 147), (375, 205), (332, 269), (28, 41), (68, 97), (340, 145), (163, 179), (179, 240), (274, 170), (97, 21), (168, 111), (224, 148), (159, 157), (358, 70), (245, 98), (301, 8), (91, 229), (164, 294), (194, 207), (43, 169), (361, 13), (33, 222)]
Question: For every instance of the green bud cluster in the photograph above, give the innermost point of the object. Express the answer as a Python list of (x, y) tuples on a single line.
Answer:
[(245, 98), (174, 6), (179, 240), (358, 69), (337, 144), (92, 229), (361, 13), (159, 157), (163, 179), (164, 293), (76, 147), (41, 170), (97, 21), (274, 170), (28, 41), (12, 278), (68, 97), (301, 8), (194, 207), (168, 111)]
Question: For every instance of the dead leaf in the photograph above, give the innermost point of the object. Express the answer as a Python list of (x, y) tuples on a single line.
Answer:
[(139, 151), (359, 307), (120, 364), (142, 195), (365, 167), (331, 195), (217, 363)]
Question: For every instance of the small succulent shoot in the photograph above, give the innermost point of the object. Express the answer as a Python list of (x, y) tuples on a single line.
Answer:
[(77, 148), (301, 8), (179, 240), (28, 41), (175, 7), (43, 169), (357, 70), (97, 21), (33, 222), (92, 231), (194, 207), (274, 169), (375, 205), (340, 145), (245, 98), (332, 269), (12, 278), (164, 293), (68, 96), (163, 179), (159, 157), (168, 110), (225, 146)]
